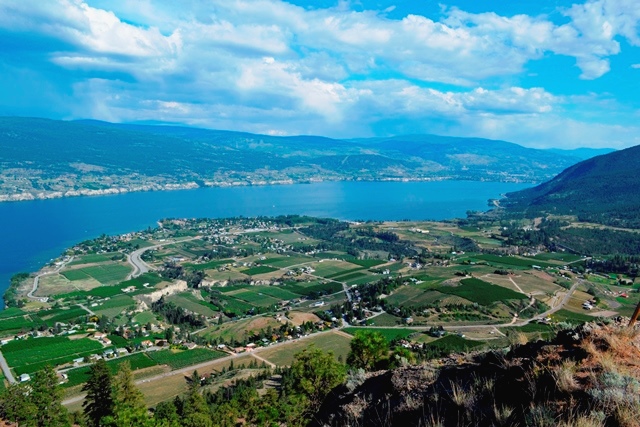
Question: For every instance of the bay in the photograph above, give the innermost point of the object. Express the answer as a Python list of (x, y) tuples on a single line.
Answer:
[(34, 232)]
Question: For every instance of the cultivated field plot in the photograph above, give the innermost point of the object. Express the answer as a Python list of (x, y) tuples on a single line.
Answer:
[(313, 287), (298, 318), (93, 258), (22, 323), (261, 269), (210, 265), (53, 284), (188, 301), (514, 261), (31, 355), (282, 355), (529, 283), (222, 276), (412, 296), (286, 261), (390, 334), (454, 344), (63, 315), (557, 256), (278, 292), (178, 359), (106, 273), (482, 292), (254, 296), (384, 319), (332, 268), (238, 329), (114, 306)]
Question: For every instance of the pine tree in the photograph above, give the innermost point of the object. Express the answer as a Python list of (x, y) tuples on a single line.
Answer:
[(46, 395), (129, 407), (16, 405), (98, 402)]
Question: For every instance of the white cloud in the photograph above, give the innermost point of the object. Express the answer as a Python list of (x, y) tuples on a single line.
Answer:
[(270, 66)]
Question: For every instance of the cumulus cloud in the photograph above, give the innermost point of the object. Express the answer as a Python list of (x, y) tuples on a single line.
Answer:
[(271, 66)]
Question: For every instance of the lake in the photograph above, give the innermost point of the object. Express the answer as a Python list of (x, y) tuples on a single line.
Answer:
[(33, 232)]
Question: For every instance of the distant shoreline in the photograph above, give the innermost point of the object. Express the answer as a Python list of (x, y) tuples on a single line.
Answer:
[(32, 196)]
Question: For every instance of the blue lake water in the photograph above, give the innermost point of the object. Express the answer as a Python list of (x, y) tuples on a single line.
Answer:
[(33, 232)]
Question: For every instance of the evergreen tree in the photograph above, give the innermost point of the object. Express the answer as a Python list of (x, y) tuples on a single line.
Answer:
[(46, 395), (129, 407), (16, 405), (98, 403)]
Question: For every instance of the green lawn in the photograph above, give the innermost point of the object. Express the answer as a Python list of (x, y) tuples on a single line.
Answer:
[(482, 292), (188, 301)]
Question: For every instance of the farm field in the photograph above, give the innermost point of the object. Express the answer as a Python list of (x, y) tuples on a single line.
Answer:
[(262, 269), (114, 306), (106, 273), (384, 319), (454, 344), (178, 359), (286, 261), (238, 329), (482, 292), (136, 361), (93, 258), (188, 301), (515, 261), (209, 265), (30, 355), (282, 355)]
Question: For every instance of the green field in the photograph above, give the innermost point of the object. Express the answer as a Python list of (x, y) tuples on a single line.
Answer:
[(306, 289), (390, 334), (255, 296), (482, 292), (11, 312), (556, 256), (278, 292), (114, 306), (177, 359), (571, 317), (33, 354), (105, 273), (367, 263), (188, 301), (51, 317), (13, 325), (261, 269), (93, 258), (349, 276), (283, 262)]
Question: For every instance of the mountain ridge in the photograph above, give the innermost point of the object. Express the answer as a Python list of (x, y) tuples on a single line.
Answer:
[(43, 158)]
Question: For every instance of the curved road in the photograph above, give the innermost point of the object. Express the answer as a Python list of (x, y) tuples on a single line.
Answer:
[(36, 281), (141, 267)]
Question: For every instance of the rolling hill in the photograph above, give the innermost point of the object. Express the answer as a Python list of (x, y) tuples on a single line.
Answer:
[(41, 158), (604, 189)]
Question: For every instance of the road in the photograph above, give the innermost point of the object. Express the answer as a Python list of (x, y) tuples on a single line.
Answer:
[(36, 281), (5, 369), (141, 267)]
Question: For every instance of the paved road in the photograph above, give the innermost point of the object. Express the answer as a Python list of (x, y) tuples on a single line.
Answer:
[(36, 281), (141, 267), (7, 372)]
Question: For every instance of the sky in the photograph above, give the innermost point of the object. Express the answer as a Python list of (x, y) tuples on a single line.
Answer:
[(543, 74)]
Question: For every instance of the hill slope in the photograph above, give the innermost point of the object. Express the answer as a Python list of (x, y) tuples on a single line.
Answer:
[(603, 189), (42, 158)]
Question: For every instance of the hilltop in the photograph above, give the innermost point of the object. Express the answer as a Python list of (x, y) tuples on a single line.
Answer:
[(42, 158), (603, 189), (587, 376)]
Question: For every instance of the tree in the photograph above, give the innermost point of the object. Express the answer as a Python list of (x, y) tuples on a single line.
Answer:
[(98, 403), (368, 349), (129, 407), (314, 374), (16, 405), (46, 395)]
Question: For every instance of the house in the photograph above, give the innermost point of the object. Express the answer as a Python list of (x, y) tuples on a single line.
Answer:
[(122, 351), (108, 354), (99, 335), (78, 361), (24, 378), (106, 341), (146, 343), (190, 345)]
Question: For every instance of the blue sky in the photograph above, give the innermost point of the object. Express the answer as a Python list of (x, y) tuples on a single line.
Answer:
[(539, 73)]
